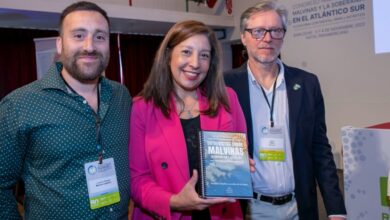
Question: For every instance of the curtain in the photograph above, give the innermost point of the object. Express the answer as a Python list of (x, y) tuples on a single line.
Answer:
[(18, 64), (17, 57), (238, 55), (138, 53)]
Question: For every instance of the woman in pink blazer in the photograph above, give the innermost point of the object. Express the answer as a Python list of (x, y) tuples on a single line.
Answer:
[(185, 92)]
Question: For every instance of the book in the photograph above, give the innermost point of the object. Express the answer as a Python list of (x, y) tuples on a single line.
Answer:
[(224, 165)]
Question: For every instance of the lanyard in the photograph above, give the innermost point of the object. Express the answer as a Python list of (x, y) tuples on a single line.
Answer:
[(273, 101), (96, 115)]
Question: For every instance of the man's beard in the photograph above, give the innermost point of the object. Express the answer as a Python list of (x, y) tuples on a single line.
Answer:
[(268, 60), (82, 72)]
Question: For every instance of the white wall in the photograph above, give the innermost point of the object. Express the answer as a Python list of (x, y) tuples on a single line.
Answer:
[(340, 50), (172, 5)]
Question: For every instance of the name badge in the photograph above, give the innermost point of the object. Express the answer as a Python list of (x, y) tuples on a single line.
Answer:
[(102, 183), (272, 145)]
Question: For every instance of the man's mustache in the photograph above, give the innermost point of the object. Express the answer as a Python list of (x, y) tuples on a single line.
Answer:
[(86, 53)]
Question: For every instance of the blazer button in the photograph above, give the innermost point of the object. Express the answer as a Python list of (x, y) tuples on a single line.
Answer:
[(224, 210), (164, 165)]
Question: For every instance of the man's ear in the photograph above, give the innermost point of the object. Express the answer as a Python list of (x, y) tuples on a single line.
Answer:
[(243, 41), (59, 44)]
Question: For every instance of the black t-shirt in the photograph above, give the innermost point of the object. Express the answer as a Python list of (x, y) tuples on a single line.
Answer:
[(191, 129)]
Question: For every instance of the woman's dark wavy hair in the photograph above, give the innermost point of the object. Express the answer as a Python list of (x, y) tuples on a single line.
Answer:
[(159, 85)]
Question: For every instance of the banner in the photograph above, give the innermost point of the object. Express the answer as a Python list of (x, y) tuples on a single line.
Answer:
[(366, 154), (45, 54)]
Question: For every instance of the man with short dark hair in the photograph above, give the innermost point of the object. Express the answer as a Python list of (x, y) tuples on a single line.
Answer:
[(66, 135), (285, 116)]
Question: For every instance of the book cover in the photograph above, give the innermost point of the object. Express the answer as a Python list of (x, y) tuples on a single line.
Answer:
[(224, 165)]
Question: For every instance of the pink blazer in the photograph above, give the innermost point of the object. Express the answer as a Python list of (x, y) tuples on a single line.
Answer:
[(158, 157)]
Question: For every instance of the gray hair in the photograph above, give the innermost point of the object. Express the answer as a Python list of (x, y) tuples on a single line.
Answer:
[(263, 6)]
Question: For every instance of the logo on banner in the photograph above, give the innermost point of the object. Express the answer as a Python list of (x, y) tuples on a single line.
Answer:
[(384, 198), (383, 189)]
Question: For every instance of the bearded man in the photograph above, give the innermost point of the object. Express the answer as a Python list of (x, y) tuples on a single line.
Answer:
[(66, 135)]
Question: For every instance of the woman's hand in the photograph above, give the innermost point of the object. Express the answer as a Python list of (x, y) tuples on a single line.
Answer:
[(252, 165), (187, 199)]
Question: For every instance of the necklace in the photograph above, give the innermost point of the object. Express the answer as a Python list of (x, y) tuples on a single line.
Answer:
[(189, 110)]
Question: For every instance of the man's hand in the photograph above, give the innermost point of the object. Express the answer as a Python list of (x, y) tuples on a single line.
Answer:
[(252, 165)]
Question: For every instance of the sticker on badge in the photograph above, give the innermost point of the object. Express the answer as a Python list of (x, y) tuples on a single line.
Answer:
[(272, 144), (102, 183)]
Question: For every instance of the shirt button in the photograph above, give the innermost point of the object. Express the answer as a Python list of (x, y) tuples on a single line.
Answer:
[(111, 209), (85, 101)]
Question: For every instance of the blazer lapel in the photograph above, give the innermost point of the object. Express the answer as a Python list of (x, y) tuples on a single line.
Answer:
[(240, 83), (294, 96), (174, 137)]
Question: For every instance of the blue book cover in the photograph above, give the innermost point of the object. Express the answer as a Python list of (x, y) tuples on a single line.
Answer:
[(224, 165)]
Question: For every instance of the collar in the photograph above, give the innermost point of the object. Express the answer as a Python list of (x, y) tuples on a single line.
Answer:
[(280, 79), (53, 80)]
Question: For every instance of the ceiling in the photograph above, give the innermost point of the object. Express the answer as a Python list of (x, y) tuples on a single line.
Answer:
[(15, 18)]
